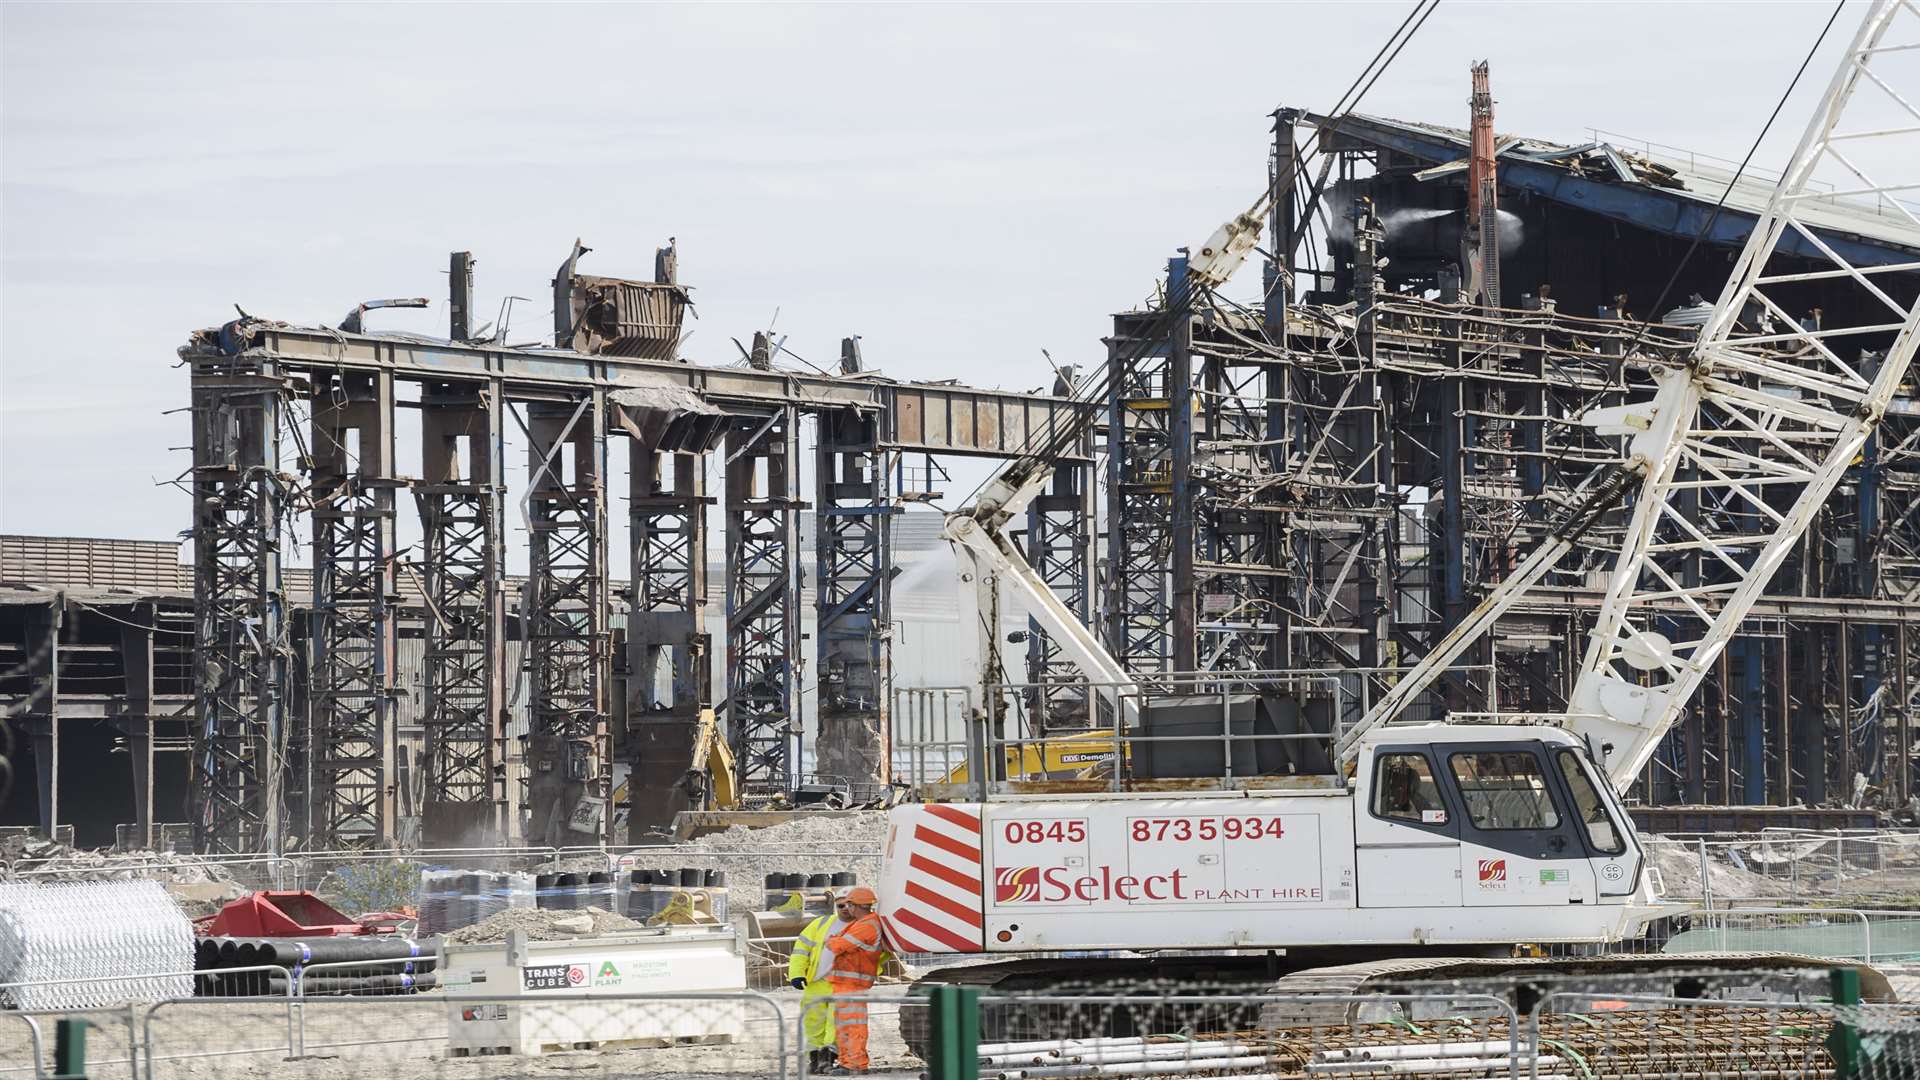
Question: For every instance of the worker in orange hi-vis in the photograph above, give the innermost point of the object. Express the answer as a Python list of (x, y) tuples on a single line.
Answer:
[(858, 953)]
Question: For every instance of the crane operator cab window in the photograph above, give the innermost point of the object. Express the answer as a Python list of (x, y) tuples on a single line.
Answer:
[(1601, 832), (1504, 789), (1406, 791)]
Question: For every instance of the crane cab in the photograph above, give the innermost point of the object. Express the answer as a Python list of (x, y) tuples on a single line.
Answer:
[(1513, 815)]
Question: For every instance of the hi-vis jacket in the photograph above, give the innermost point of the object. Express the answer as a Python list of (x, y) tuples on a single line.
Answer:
[(809, 947), (857, 955)]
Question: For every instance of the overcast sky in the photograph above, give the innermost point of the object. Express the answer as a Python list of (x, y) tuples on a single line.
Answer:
[(961, 185)]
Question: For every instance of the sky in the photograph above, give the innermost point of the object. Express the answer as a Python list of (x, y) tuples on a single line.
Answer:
[(961, 185)]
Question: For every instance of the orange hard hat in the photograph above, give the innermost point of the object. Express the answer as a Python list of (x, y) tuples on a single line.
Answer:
[(860, 894)]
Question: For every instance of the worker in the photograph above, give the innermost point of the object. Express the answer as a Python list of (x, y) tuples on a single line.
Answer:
[(807, 971), (1410, 794), (858, 952)]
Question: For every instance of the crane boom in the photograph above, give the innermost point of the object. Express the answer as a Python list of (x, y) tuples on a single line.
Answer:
[(1744, 416), (1778, 416)]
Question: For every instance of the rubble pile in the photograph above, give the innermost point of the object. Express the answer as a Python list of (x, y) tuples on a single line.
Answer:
[(1679, 869), (543, 924), (749, 855), (198, 886)]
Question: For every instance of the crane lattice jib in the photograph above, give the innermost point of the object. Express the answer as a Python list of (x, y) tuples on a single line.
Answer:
[(1775, 405)]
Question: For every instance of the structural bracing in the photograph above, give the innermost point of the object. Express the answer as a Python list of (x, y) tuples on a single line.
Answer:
[(565, 616), (763, 598), (853, 514), (241, 648), (460, 496)]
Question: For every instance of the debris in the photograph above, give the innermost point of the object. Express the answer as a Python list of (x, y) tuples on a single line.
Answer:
[(543, 925)]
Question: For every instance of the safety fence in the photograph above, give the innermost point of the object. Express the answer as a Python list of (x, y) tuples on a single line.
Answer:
[(458, 1036), (1751, 1025), (1742, 868), (1754, 1025)]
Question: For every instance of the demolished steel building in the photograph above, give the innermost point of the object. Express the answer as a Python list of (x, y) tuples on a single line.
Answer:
[(1324, 481)]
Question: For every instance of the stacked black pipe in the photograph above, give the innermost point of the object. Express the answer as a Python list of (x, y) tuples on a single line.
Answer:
[(648, 892), (450, 899), (393, 965)]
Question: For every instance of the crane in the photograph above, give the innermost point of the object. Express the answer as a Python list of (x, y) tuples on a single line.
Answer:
[(1464, 836)]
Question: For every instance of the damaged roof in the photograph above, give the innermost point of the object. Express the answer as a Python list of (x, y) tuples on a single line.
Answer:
[(1673, 194)]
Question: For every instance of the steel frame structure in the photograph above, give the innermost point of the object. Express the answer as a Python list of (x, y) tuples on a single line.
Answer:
[(460, 497), (854, 506), (350, 689), (565, 615), (1138, 608), (241, 647), (763, 599), (1060, 546)]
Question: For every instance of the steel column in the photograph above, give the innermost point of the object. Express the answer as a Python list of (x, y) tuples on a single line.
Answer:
[(351, 688), (240, 640), (568, 646), (853, 540), (763, 599), (463, 705)]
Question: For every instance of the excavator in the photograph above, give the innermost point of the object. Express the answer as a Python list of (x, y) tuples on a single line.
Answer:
[(1430, 848)]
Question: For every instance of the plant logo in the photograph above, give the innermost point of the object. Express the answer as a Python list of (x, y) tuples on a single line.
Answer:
[(1493, 872), (1016, 885)]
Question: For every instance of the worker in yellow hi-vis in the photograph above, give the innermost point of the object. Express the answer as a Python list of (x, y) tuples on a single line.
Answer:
[(858, 952), (807, 970)]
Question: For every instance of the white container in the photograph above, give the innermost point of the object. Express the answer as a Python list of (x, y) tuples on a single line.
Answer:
[(664, 961)]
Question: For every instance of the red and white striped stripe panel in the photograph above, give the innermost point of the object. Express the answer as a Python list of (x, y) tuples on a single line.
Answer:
[(942, 909)]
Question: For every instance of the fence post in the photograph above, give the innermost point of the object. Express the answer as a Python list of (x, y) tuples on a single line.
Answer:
[(70, 1050), (1843, 1042), (955, 1053)]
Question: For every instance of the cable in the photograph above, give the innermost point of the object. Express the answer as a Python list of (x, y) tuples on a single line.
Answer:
[(1179, 303), (1674, 278), (129, 622)]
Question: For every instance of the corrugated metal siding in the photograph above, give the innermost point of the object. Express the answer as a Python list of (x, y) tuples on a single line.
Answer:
[(151, 566)]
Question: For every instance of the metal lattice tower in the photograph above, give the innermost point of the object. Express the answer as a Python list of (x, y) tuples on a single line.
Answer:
[(1139, 604), (240, 641), (459, 497), (763, 618), (567, 641), (853, 519), (350, 686), (1060, 547), (1771, 412)]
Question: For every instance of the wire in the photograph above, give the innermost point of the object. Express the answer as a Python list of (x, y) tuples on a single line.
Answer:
[(1674, 278), (129, 622), (1178, 303)]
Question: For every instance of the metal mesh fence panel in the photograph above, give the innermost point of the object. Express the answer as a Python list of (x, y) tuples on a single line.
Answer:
[(467, 1037)]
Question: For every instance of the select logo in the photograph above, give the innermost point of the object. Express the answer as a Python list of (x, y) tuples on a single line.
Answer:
[(1493, 873), (1016, 885)]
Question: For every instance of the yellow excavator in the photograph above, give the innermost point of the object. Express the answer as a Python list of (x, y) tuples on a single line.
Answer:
[(1065, 757)]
